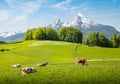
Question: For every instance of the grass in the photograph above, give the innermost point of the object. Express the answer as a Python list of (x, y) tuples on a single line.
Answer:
[(62, 68)]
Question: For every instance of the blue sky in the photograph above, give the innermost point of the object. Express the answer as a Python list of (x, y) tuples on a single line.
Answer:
[(24, 14)]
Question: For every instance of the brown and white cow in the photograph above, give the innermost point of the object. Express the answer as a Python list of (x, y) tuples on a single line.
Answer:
[(27, 70)]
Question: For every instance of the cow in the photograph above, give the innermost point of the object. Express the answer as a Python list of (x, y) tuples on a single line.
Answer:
[(81, 60), (43, 64), (16, 66), (27, 70)]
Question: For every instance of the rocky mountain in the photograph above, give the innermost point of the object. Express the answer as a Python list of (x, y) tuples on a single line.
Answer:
[(12, 36), (86, 26), (56, 25), (81, 21)]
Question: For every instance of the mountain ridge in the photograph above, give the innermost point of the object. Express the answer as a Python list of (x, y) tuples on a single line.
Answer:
[(80, 22), (11, 36), (86, 26), (9, 33)]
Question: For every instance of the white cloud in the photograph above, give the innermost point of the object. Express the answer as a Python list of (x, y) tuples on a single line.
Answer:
[(18, 18), (4, 15), (30, 7), (62, 5), (23, 7), (19, 10), (68, 6)]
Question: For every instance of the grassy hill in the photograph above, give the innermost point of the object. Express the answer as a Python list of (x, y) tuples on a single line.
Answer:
[(62, 68)]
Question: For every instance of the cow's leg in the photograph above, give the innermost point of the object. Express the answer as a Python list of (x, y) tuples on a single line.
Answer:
[(83, 64)]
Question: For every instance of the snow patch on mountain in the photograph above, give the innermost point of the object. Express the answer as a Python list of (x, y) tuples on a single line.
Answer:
[(57, 24), (85, 25), (80, 21), (8, 34)]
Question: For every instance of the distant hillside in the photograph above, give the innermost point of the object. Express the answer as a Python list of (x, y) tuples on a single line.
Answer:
[(2, 42), (14, 38)]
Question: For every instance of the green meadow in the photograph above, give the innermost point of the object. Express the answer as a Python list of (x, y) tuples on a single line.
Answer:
[(103, 68)]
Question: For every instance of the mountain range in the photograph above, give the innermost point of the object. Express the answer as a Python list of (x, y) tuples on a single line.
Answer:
[(11, 36), (80, 22), (85, 25)]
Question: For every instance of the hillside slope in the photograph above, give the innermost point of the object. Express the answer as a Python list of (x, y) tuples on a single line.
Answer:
[(55, 51), (61, 63)]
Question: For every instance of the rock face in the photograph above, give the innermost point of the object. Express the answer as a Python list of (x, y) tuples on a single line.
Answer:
[(86, 26)]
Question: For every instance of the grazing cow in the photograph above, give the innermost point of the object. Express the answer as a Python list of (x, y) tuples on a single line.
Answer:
[(81, 60), (27, 70), (16, 66), (42, 64)]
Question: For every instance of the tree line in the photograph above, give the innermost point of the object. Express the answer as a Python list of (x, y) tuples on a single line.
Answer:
[(71, 34), (98, 39), (68, 34)]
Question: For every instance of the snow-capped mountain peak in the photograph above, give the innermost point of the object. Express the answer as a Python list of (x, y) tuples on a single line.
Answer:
[(7, 34), (81, 21), (80, 14), (58, 21), (57, 24), (86, 25), (82, 17), (66, 24)]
